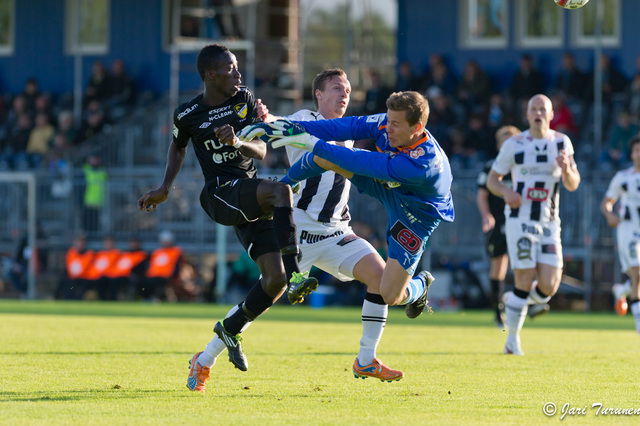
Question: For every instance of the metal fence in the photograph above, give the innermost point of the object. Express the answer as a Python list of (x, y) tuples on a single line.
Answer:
[(58, 202), (134, 152)]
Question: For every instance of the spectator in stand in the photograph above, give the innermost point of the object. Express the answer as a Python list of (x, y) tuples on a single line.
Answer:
[(407, 79), (15, 155), (78, 260), (441, 117), (571, 80), (66, 126), (458, 152), (614, 85), (18, 108), (43, 106), (244, 274), (96, 276), (39, 138), (95, 181), (56, 157), (164, 268), (474, 88), (439, 76), (497, 112), (99, 86), (30, 93), (124, 277), (616, 154), (527, 82), (480, 144), (376, 95), (633, 104), (122, 91), (93, 123), (562, 120)]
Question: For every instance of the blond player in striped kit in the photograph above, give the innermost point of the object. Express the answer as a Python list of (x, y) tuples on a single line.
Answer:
[(538, 159)]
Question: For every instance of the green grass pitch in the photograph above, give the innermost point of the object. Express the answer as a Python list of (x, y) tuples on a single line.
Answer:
[(101, 363)]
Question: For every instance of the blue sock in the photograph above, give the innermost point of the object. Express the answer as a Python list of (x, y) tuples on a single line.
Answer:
[(415, 288)]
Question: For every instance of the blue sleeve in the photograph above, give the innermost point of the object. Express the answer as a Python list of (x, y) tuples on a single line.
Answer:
[(342, 129), (377, 165), (303, 169)]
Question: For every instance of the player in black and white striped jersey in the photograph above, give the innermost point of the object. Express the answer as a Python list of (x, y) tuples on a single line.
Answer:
[(322, 218), (538, 159), (625, 186)]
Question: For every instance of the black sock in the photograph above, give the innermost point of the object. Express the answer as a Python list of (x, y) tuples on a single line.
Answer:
[(541, 294), (374, 298), (496, 287), (256, 303), (285, 230), (521, 293)]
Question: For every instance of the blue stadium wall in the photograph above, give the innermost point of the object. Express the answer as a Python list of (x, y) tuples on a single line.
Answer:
[(431, 26), (424, 27), (39, 50)]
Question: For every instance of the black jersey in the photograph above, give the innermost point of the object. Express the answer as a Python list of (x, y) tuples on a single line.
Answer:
[(496, 204), (195, 121)]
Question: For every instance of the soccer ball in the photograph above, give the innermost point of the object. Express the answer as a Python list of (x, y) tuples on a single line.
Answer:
[(571, 4)]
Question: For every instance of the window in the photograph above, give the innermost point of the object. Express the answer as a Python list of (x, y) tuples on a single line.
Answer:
[(483, 23), (87, 29), (584, 23), (539, 24), (205, 20), (7, 19)]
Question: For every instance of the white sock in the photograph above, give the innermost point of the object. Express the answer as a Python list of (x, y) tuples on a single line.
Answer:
[(516, 310), (374, 318), (534, 298), (627, 288), (216, 346), (415, 289), (635, 310)]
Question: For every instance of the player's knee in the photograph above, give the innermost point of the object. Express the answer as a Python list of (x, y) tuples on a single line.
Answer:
[(391, 296), (282, 192), (274, 285)]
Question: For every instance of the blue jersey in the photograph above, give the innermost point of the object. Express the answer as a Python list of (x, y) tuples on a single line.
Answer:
[(419, 175)]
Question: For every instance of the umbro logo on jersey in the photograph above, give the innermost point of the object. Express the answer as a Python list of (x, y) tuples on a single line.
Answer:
[(205, 125), (241, 110)]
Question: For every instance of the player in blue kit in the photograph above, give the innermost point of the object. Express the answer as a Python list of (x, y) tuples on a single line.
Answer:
[(410, 175)]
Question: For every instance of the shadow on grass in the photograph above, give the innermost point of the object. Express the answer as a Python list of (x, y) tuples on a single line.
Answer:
[(78, 395), (31, 353)]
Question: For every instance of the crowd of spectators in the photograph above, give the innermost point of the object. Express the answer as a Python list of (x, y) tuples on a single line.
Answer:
[(467, 109), (37, 129)]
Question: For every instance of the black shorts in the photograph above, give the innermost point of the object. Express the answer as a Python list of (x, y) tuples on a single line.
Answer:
[(234, 203), (496, 241)]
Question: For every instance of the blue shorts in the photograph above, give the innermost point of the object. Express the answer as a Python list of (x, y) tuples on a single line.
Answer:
[(408, 231)]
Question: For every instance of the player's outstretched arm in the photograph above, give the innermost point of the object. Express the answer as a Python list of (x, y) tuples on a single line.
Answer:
[(175, 159), (309, 166)]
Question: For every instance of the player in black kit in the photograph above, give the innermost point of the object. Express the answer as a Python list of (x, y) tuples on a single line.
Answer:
[(491, 209), (233, 196)]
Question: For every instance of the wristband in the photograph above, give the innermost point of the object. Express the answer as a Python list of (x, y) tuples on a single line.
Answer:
[(237, 143)]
